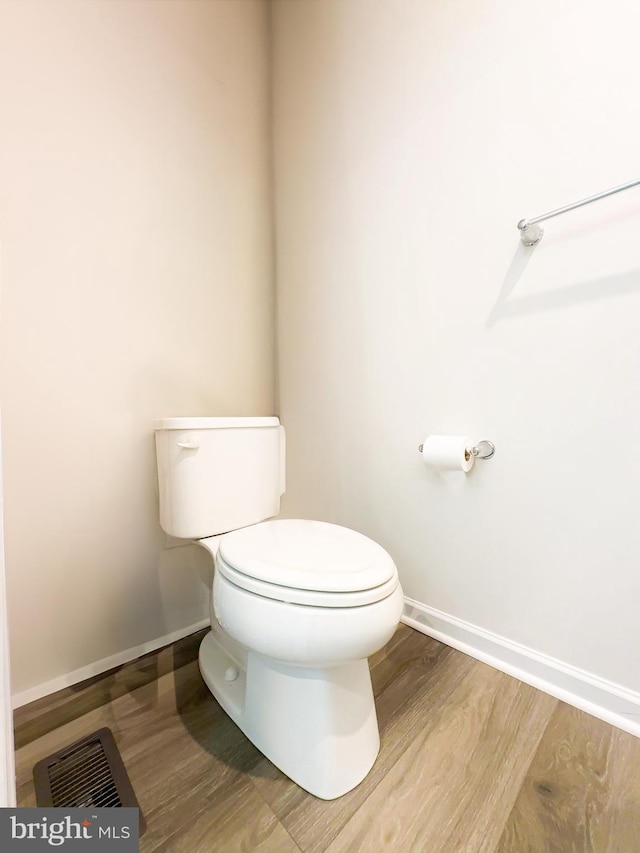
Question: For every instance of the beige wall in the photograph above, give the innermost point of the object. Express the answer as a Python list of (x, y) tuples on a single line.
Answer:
[(136, 283), (410, 139)]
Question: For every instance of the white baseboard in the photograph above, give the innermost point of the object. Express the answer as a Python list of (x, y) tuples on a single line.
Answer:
[(97, 668), (596, 696)]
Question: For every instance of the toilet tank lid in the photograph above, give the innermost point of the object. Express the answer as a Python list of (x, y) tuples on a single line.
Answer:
[(214, 423)]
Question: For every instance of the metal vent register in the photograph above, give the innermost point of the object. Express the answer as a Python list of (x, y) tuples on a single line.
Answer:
[(86, 774)]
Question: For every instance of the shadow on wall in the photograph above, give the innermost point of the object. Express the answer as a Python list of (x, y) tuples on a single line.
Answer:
[(572, 294)]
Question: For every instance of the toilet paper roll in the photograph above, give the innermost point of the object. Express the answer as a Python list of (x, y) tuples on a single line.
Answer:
[(448, 453)]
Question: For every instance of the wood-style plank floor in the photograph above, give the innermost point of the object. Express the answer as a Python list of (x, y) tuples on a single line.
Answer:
[(471, 761)]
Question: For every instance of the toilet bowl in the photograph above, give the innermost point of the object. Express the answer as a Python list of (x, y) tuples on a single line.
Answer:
[(297, 606), (307, 603)]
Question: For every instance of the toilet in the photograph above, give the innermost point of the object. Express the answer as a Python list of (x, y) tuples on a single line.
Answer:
[(297, 606)]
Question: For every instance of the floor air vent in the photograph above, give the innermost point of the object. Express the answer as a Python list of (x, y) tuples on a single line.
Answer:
[(86, 774)]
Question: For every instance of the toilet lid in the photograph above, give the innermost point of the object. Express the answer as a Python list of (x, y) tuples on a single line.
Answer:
[(309, 555)]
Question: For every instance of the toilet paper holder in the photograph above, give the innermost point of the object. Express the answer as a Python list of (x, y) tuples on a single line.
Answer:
[(482, 450)]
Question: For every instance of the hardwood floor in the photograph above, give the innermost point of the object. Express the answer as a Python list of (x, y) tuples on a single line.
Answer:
[(471, 761)]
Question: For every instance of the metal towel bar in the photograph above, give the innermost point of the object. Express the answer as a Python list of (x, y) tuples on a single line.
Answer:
[(531, 233)]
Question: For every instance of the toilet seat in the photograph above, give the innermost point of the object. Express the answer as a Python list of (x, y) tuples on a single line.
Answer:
[(312, 598), (307, 562)]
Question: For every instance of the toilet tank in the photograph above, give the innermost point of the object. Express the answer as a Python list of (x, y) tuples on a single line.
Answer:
[(218, 474)]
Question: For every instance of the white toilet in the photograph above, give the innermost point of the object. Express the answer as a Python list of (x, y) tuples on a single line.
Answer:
[(297, 606)]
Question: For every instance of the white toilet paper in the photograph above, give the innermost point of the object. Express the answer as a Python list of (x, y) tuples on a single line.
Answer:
[(448, 453)]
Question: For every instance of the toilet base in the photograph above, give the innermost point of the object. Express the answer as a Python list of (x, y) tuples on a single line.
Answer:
[(318, 726)]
